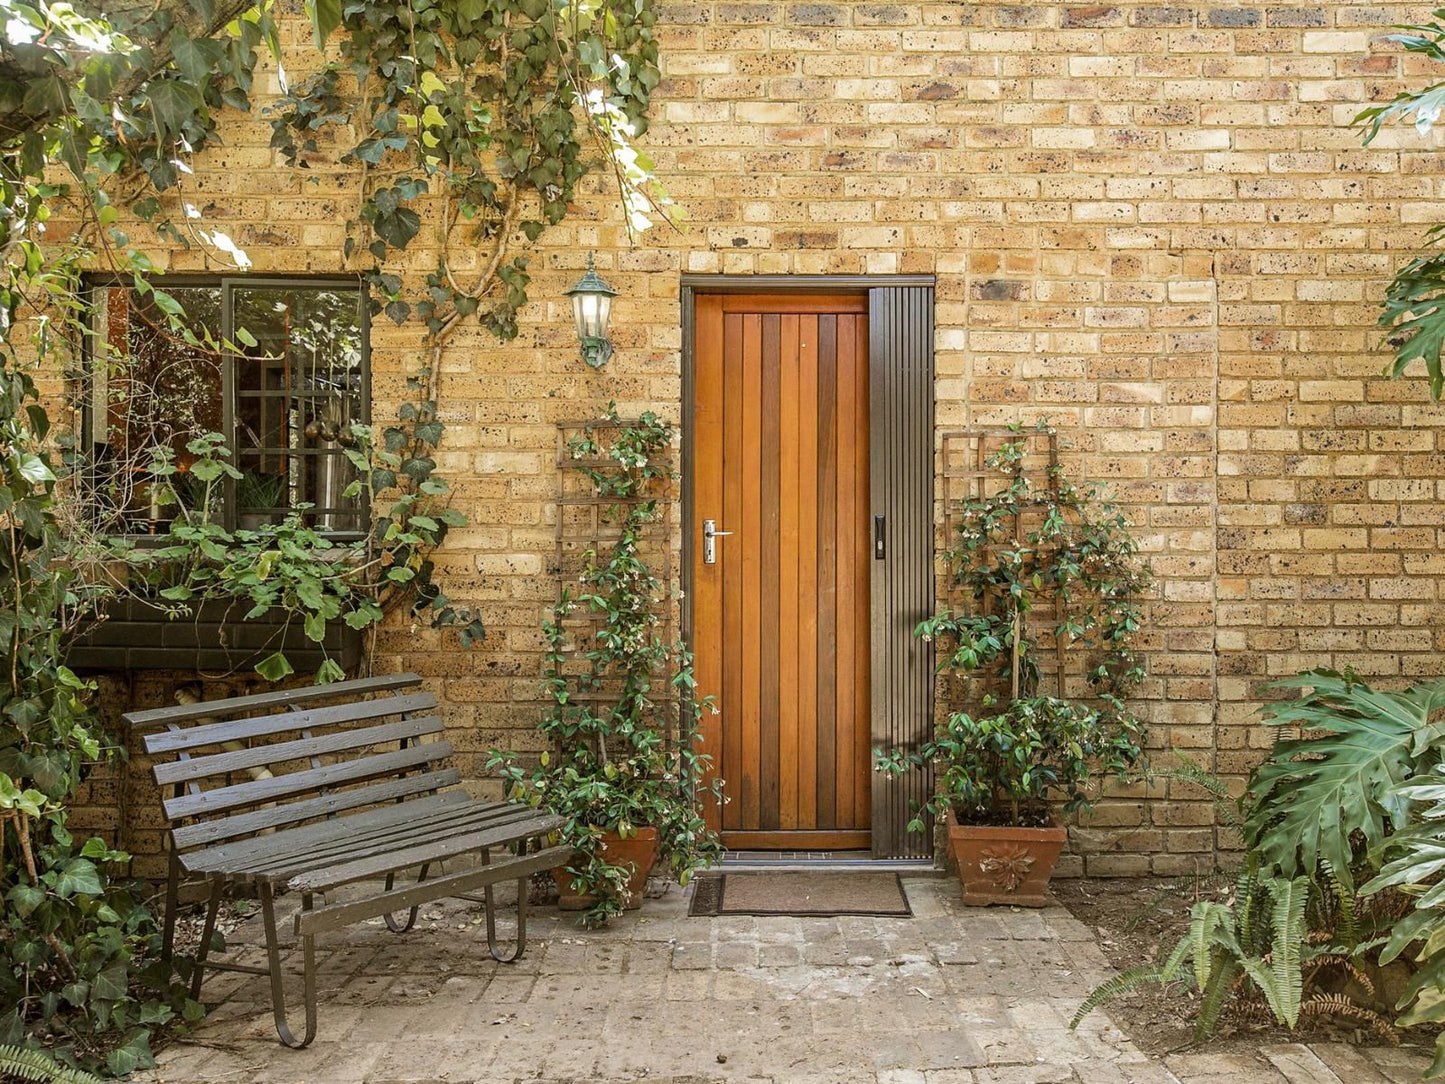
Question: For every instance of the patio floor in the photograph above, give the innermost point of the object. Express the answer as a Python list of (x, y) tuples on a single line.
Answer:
[(953, 995)]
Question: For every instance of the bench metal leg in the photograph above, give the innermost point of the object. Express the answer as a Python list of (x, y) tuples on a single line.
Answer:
[(391, 923), (172, 905), (489, 904), (308, 974), (207, 932)]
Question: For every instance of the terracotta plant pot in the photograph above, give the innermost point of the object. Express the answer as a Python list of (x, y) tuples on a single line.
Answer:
[(638, 851), (1005, 865)]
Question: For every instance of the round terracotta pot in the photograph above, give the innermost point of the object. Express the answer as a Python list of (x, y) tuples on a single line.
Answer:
[(1005, 865), (638, 850)]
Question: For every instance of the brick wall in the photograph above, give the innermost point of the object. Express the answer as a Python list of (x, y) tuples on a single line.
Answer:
[(1149, 223)]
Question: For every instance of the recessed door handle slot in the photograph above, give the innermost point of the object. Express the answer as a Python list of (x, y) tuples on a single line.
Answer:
[(880, 548)]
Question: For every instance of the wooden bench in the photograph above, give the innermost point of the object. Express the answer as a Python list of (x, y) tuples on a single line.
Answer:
[(312, 789)]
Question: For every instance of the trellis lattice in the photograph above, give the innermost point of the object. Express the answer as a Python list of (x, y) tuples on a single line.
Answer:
[(587, 524), (965, 475)]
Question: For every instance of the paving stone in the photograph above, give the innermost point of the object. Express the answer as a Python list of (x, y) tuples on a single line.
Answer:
[(952, 996)]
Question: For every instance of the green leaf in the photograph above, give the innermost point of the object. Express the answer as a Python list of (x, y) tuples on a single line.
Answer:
[(325, 16), (275, 667), (173, 104), (79, 877)]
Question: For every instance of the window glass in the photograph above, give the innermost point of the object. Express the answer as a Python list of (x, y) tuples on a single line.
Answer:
[(294, 396), (149, 388), (298, 393)]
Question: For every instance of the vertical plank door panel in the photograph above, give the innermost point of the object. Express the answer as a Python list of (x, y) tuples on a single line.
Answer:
[(750, 765), (782, 391), (807, 490), (730, 560), (788, 574), (708, 426)]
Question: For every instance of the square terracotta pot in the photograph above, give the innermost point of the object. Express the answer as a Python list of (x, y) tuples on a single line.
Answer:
[(1005, 865)]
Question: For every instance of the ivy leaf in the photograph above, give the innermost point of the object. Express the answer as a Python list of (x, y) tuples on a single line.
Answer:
[(111, 984), (397, 229), (172, 104), (79, 877), (325, 16)]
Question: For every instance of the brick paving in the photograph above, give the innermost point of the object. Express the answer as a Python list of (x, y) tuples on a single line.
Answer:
[(952, 995)]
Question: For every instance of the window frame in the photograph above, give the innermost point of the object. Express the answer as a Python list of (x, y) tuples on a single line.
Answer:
[(227, 284)]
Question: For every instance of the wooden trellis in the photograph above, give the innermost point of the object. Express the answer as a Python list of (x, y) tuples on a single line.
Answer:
[(965, 475), (587, 523)]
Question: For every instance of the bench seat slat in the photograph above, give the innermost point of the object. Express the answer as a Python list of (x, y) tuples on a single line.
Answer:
[(539, 824), (281, 864), (261, 726), (334, 915), (257, 791), (181, 771), (325, 805), (338, 840), (307, 694), (336, 829)]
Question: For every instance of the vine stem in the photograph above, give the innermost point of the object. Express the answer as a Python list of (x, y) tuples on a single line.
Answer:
[(484, 283), (22, 832)]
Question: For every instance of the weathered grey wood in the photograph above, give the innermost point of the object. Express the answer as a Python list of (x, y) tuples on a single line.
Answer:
[(180, 771), (336, 915), (254, 792), (388, 816), (432, 852), (184, 713), (261, 726), (326, 805), (280, 861), (238, 851)]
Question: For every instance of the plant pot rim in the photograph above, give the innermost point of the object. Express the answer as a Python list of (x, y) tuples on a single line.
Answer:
[(1008, 831), (642, 833)]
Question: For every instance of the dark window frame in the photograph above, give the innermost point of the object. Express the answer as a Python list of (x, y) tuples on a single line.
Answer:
[(227, 284)]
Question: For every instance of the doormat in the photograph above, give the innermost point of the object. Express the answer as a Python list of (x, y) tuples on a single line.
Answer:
[(800, 893)]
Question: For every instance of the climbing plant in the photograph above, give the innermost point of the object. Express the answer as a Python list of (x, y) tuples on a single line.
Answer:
[(492, 110), (623, 707), (500, 110)]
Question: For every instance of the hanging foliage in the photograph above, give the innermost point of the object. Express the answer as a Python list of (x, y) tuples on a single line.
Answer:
[(491, 110)]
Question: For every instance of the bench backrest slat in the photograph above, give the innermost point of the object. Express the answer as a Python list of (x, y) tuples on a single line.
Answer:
[(239, 825), (264, 726), (281, 698), (181, 771), (294, 784)]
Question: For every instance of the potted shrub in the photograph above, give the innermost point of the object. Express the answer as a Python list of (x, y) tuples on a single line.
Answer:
[(1003, 771), (622, 764)]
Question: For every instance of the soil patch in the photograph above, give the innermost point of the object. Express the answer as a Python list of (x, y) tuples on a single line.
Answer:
[(1134, 917)]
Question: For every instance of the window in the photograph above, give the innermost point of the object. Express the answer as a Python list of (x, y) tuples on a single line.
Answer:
[(285, 406)]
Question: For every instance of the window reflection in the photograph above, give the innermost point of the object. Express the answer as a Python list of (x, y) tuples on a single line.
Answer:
[(296, 393)]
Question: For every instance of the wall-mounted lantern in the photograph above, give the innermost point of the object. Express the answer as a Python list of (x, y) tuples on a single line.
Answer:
[(592, 305)]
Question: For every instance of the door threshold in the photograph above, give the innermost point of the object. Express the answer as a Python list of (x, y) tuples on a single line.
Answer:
[(823, 862)]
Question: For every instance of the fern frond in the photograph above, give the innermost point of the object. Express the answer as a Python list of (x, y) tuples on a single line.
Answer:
[(1339, 1005), (1207, 918), (1120, 984), (1289, 931), (38, 1067), (1214, 998)]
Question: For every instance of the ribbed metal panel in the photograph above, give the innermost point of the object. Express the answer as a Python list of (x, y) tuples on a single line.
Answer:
[(900, 320)]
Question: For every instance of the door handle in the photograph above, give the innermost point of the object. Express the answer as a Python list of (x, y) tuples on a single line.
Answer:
[(710, 535), (879, 534)]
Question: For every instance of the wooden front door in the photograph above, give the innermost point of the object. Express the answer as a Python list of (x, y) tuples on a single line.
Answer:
[(781, 624)]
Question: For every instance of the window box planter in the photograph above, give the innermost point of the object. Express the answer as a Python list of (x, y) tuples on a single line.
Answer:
[(217, 637)]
